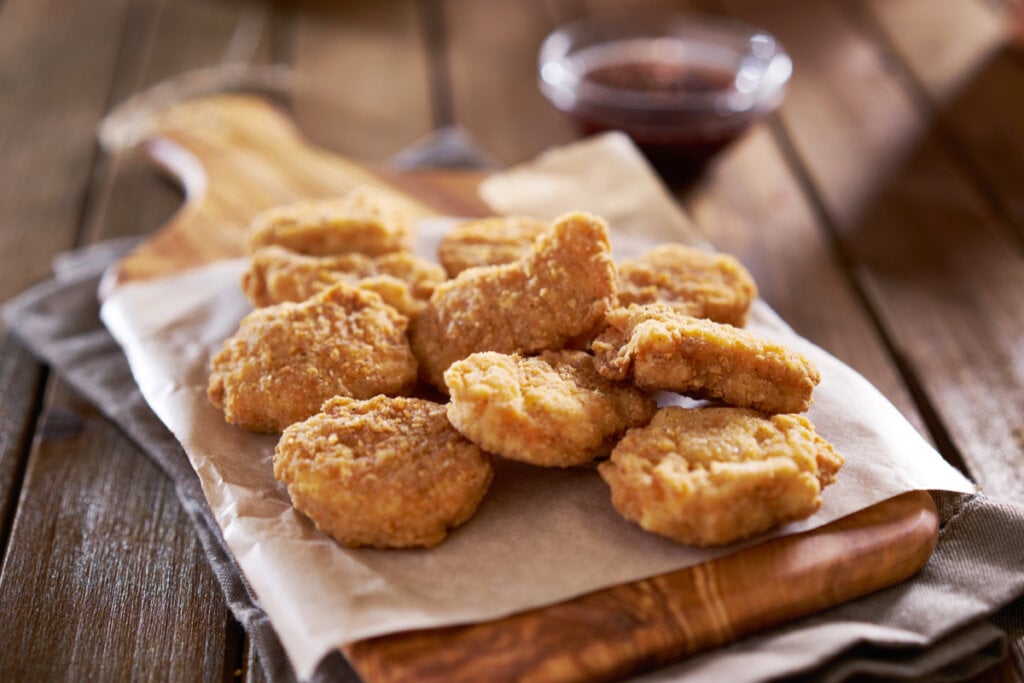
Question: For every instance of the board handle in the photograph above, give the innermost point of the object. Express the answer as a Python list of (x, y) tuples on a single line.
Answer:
[(234, 156)]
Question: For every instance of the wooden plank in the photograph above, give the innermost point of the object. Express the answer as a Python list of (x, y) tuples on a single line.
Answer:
[(56, 65), (20, 384), (103, 573), (752, 205), (126, 197), (493, 76), (341, 53), (942, 273), (841, 84), (972, 82)]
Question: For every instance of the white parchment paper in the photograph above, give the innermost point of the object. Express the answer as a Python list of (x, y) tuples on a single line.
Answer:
[(541, 536)]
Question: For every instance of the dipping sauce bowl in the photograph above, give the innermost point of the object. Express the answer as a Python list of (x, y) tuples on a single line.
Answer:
[(683, 86)]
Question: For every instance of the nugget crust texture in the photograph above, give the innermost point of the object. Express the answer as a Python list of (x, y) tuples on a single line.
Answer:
[(552, 410), (561, 290), (404, 280), (286, 360), (384, 472), (489, 241), (694, 282), (711, 476), (366, 221), (660, 348)]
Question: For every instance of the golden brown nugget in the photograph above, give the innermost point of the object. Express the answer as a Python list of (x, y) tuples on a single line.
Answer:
[(366, 221), (561, 290), (711, 476), (402, 279), (384, 472), (694, 282), (552, 410), (491, 241), (660, 348), (286, 360)]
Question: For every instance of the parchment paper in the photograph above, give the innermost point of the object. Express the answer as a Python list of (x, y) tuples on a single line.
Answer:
[(541, 536)]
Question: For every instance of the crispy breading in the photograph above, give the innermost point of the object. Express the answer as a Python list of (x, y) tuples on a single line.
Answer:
[(660, 348), (384, 472), (711, 476), (286, 360), (561, 290), (552, 410), (365, 221), (402, 279), (491, 241), (694, 282)]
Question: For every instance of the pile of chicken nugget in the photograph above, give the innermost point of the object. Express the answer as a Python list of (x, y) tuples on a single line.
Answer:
[(395, 381)]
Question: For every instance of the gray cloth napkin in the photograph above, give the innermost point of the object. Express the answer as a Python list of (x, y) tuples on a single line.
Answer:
[(951, 621)]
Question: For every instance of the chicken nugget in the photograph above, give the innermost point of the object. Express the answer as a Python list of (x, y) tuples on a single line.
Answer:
[(402, 279), (694, 282), (365, 221), (711, 476), (552, 410), (384, 472), (660, 348), (489, 241), (286, 360), (561, 290)]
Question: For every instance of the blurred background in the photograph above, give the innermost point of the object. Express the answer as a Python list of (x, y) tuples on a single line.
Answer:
[(871, 79)]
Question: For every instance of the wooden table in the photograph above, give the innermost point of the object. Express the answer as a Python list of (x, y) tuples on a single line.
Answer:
[(881, 211)]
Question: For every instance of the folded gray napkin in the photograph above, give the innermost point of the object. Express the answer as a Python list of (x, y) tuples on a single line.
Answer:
[(949, 622)]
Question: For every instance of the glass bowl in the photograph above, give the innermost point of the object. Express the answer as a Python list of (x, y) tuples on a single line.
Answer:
[(681, 85)]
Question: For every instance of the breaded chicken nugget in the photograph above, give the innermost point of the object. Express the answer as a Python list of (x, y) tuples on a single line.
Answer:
[(385, 472), (489, 241), (714, 475), (286, 360), (660, 348), (403, 279), (366, 221), (561, 290), (552, 410), (694, 282)]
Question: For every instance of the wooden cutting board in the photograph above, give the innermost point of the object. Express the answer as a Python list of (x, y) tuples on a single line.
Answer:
[(237, 155)]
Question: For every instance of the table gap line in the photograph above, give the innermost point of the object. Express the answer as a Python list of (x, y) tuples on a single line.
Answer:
[(235, 641), (848, 267), (952, 144)]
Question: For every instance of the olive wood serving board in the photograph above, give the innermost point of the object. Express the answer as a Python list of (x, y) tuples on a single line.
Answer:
[(236, 155)]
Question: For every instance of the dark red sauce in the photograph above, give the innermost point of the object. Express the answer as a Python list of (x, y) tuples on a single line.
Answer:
[(663, 77), (679, 142)]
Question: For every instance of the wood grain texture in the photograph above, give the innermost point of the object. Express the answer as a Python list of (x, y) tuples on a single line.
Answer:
[(20, 384), (366, 89), (629, 628), (942, 271), (56, 65), (506, 115), (235, 155), (972, 77), (125, 197), (120, 575)]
